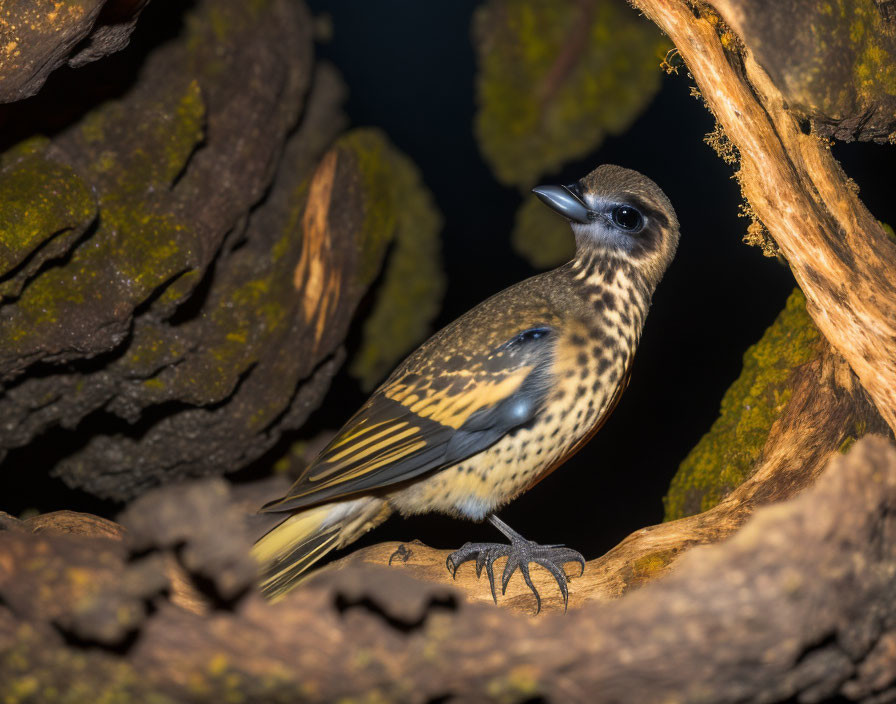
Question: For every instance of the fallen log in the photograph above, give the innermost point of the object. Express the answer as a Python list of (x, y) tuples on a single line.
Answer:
[(800, 603)]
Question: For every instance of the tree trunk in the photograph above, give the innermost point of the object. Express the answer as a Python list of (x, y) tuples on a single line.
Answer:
[(840, 255)]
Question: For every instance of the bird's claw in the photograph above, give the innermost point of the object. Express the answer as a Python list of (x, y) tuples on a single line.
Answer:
[(520, 553)]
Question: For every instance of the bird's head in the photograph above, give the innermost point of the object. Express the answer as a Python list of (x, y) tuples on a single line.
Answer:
[(618, 211)]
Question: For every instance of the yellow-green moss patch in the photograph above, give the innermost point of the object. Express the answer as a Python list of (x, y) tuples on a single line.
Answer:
[(649, 566), (163, 139), (136, 248), (33, 670), (724, 457), (845, 61), (372, 153), (409, 294), (556, 77), (40, 199)]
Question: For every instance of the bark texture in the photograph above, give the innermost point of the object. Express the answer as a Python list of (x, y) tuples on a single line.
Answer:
[(39, 36), (798, 604), (840, 255), (834, 63), (179, 265)]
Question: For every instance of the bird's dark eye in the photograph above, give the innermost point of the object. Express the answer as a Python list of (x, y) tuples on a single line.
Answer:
[(627, 218)]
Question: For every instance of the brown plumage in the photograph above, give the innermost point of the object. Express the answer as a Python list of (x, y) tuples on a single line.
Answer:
[(498, 399)]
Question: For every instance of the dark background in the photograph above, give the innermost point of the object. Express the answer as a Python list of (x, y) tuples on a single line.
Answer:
[(410, 69)]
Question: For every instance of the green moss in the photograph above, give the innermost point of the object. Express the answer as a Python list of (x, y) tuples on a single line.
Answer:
[(148, 256), (520, 683), (159, 143), (135, 249), (859, 429), (247, 308), (543, 238), (32, 670), (847, 444), (241, 319), (849, 41), (373, 154), (408, 297), (556, 77), (875, 66), (33, 146), (152, 347), (889, 230), (724, 457), (224, 23), (41, 199), (648, 567)]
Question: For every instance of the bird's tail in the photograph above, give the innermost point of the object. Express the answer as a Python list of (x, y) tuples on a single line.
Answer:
[(287, 551)]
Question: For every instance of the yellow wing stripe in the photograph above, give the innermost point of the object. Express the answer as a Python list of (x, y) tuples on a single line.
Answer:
[(385, 459), (351, 450), (357, 431), (452, 408), (386, 444)]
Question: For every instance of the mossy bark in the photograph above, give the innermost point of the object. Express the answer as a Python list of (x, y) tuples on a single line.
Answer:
[(555, 78), (840, 256), (798, 606), (727, 455), (175, 216), (834, 61), (37, 37)]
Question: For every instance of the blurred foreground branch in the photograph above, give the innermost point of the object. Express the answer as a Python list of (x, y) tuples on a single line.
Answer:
[(801, 602)]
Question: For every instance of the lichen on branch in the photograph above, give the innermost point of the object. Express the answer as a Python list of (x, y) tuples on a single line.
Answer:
[(725, 456)]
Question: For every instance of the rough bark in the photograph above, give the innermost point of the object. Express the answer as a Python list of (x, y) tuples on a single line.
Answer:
[(834, 63), (840, 255), (163, 286), (37, 37), (110, 305), (800, 603)]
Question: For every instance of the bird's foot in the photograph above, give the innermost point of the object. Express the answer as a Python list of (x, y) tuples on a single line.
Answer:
[(520, 553)]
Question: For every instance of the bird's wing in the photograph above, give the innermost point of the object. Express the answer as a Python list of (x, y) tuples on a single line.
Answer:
[(441, 406)]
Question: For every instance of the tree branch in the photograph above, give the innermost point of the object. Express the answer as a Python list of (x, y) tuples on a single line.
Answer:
[(839, 254), (800, 603), (825, 409)]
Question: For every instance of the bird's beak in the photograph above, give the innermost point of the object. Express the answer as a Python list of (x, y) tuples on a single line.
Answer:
[(563, 201)]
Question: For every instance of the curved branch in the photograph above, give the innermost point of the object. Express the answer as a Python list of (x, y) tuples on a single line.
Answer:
[(839, 254), (799, 604), (825, 408)]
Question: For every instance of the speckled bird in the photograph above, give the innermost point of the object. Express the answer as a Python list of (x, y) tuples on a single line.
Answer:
[(497, 400)]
